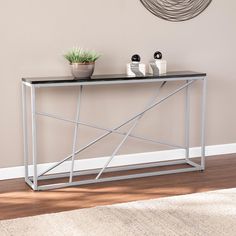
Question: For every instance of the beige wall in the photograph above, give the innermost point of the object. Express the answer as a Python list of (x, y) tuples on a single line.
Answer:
[(34, 35)]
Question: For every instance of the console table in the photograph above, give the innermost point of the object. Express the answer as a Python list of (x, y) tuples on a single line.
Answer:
[(185, 78)]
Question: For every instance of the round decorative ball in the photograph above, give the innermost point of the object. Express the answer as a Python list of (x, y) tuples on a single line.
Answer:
[(136, 58), (158, 55)]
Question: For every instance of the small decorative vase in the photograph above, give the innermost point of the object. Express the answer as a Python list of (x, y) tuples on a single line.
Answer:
[(82, 70)]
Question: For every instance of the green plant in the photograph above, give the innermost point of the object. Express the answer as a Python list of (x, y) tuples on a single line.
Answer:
[(79, 55)]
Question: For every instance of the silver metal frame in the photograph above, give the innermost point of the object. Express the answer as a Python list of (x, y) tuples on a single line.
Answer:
[(33, 181)]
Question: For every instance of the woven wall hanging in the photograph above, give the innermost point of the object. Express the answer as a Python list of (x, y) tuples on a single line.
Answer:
[(176, 10)]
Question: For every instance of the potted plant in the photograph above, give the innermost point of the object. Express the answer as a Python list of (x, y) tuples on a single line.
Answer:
[(82, 62)]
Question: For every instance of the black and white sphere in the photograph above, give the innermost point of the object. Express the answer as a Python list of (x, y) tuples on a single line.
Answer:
[(158, 55), (135, 58)]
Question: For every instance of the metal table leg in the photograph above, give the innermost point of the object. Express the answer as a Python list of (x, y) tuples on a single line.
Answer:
[(25, 131), (34, 137), (203, 121), (187, 122)]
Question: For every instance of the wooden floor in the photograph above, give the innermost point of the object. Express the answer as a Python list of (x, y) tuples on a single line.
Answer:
[(17, 200)]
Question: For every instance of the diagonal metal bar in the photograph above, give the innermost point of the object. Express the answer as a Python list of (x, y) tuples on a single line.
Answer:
[(119, 146), (126, 136), (90, 125), (75, 133), (117, 149), (119, 126)]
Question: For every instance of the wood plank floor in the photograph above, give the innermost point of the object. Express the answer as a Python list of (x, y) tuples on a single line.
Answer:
[(17, 200)]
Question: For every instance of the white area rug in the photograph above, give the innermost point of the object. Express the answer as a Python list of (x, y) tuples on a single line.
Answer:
[(211, 213)]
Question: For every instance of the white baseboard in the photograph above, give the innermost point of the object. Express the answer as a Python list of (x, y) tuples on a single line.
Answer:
[(121, 160)]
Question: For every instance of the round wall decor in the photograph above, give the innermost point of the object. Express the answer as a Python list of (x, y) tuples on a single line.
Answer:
[(176, 10)]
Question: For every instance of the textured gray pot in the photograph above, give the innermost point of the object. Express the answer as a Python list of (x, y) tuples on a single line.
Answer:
[(82, 70)]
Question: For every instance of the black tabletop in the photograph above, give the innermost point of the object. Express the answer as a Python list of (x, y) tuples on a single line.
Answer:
[(113, 77)]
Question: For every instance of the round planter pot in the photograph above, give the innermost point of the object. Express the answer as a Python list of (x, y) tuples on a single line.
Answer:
[(82, 70)]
